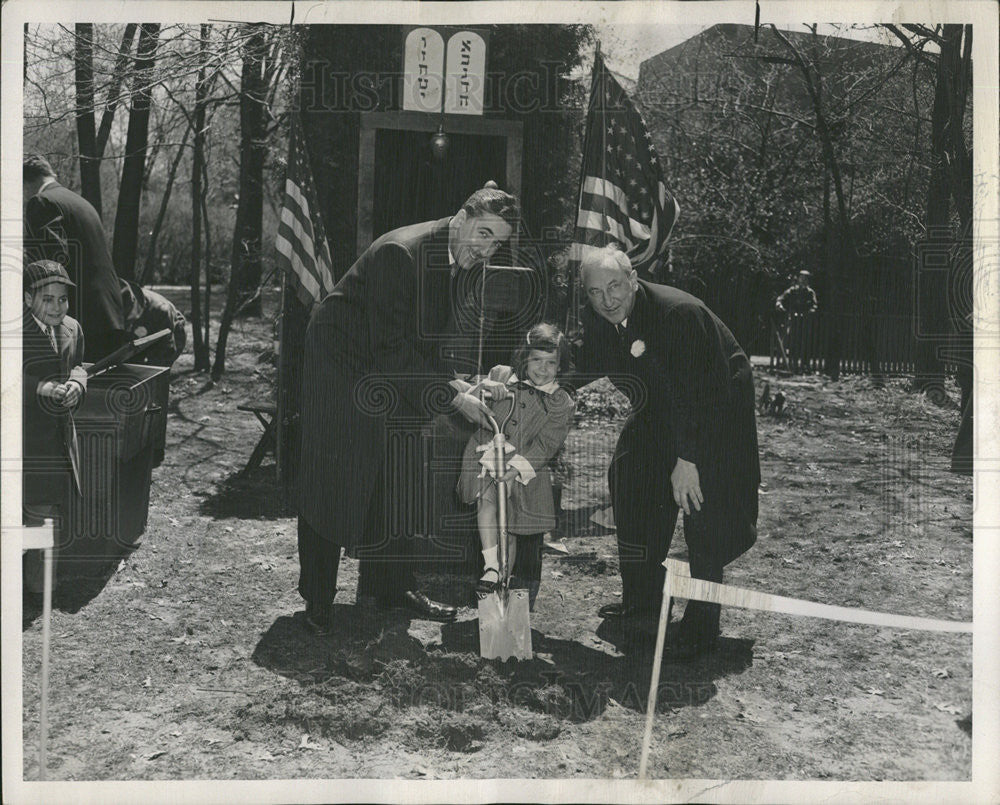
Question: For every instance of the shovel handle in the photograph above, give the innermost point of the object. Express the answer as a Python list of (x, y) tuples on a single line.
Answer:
[(500, 447)]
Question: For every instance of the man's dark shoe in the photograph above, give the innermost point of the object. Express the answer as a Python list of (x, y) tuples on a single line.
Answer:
[(432, 610), (318, 618), (617, 610)]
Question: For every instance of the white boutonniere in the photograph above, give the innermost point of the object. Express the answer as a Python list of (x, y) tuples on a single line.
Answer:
[(638, 348)]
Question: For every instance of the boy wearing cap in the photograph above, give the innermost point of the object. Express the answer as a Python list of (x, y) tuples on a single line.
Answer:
[(53, 383)]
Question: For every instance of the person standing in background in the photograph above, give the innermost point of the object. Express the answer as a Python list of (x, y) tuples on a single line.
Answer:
[(798, 303)]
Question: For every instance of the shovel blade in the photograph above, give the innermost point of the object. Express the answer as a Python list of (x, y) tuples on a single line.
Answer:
[(504, 626)]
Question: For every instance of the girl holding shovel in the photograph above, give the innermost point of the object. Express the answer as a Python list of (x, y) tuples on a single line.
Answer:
[(535, 415)]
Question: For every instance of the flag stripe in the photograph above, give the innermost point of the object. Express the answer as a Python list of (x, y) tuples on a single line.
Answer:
[(298, 231), (591, 221), (604, 197), (608, 189), (606, 208), (623, 197), (302, 267), (301, 242)]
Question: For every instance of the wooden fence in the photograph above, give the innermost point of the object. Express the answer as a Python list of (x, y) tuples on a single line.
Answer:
[(882, 344)]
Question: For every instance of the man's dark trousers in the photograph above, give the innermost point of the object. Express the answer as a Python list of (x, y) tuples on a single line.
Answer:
[(645, 519)]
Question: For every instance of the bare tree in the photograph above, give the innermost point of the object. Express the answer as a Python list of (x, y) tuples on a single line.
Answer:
[(162, 214), (951, 180), (201, 350), (113, 95), (126, 236), (90, 161), (243, 293)]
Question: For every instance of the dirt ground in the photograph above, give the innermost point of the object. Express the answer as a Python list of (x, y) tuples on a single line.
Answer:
[(188, 659)]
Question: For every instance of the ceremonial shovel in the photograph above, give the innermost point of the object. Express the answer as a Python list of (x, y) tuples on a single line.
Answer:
[(504, 626)]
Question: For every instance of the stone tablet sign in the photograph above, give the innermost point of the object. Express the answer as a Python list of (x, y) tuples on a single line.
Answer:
[(465, 81), (423, 70)]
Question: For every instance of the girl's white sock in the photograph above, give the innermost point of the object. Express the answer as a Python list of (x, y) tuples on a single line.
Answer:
[(491, 558)]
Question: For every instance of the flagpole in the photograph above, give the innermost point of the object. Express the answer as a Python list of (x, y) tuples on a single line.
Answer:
[(573, 313), (281, 412), (604, 134)]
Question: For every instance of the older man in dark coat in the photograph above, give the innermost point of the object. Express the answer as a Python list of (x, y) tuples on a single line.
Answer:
[(690, 442), (373, 365), (60, 225)]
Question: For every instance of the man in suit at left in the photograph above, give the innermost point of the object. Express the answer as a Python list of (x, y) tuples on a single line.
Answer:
[(60, 225), (374, 369), (53, 384)]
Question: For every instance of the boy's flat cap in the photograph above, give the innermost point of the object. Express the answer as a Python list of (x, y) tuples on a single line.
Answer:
[(45, 272)]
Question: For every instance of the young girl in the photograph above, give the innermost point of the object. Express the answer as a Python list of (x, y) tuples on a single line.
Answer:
[(535, 415)]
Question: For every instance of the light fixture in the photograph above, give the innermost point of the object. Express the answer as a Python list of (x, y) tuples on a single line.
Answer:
[(439, 144)]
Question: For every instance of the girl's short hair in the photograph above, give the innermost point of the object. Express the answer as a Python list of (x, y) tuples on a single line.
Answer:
[(544, 337)]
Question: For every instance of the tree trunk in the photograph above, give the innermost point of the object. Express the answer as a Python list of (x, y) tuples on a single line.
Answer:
[(832, 314), (245, 268), (246, 256), (201, 352), (960, 156), (90, 159), (207, 224), (930, 280), (115, 87), (126, 237), (161, 215)]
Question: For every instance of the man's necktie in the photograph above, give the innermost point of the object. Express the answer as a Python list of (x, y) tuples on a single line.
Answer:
[(622, 336), (51, 333)]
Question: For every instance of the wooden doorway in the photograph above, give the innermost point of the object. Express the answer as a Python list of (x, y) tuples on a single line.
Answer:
[(400, 182)]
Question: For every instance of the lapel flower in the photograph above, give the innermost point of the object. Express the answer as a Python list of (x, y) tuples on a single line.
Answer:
[(638, 348)]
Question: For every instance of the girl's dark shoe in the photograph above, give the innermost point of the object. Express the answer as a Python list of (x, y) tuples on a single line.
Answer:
[(488, 583)]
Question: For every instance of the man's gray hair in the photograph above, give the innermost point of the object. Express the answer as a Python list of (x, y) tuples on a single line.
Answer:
[(611, 253)]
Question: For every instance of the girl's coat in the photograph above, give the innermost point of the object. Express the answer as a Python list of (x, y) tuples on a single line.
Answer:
[(535, 423)]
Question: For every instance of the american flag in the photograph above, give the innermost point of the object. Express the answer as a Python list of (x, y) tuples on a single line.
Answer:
[(623, 198), (301, 241)]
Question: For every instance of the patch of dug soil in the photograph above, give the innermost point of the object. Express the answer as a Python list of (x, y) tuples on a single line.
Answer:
[(310, 712), (457, 732)]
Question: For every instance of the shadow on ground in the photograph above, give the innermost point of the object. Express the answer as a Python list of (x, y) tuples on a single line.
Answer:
[(371, 676), (78, 582), (253, 495), (577, 523)]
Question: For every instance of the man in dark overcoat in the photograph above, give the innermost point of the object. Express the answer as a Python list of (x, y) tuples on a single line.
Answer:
[(690, 442), (60, 225), (373, 366)]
